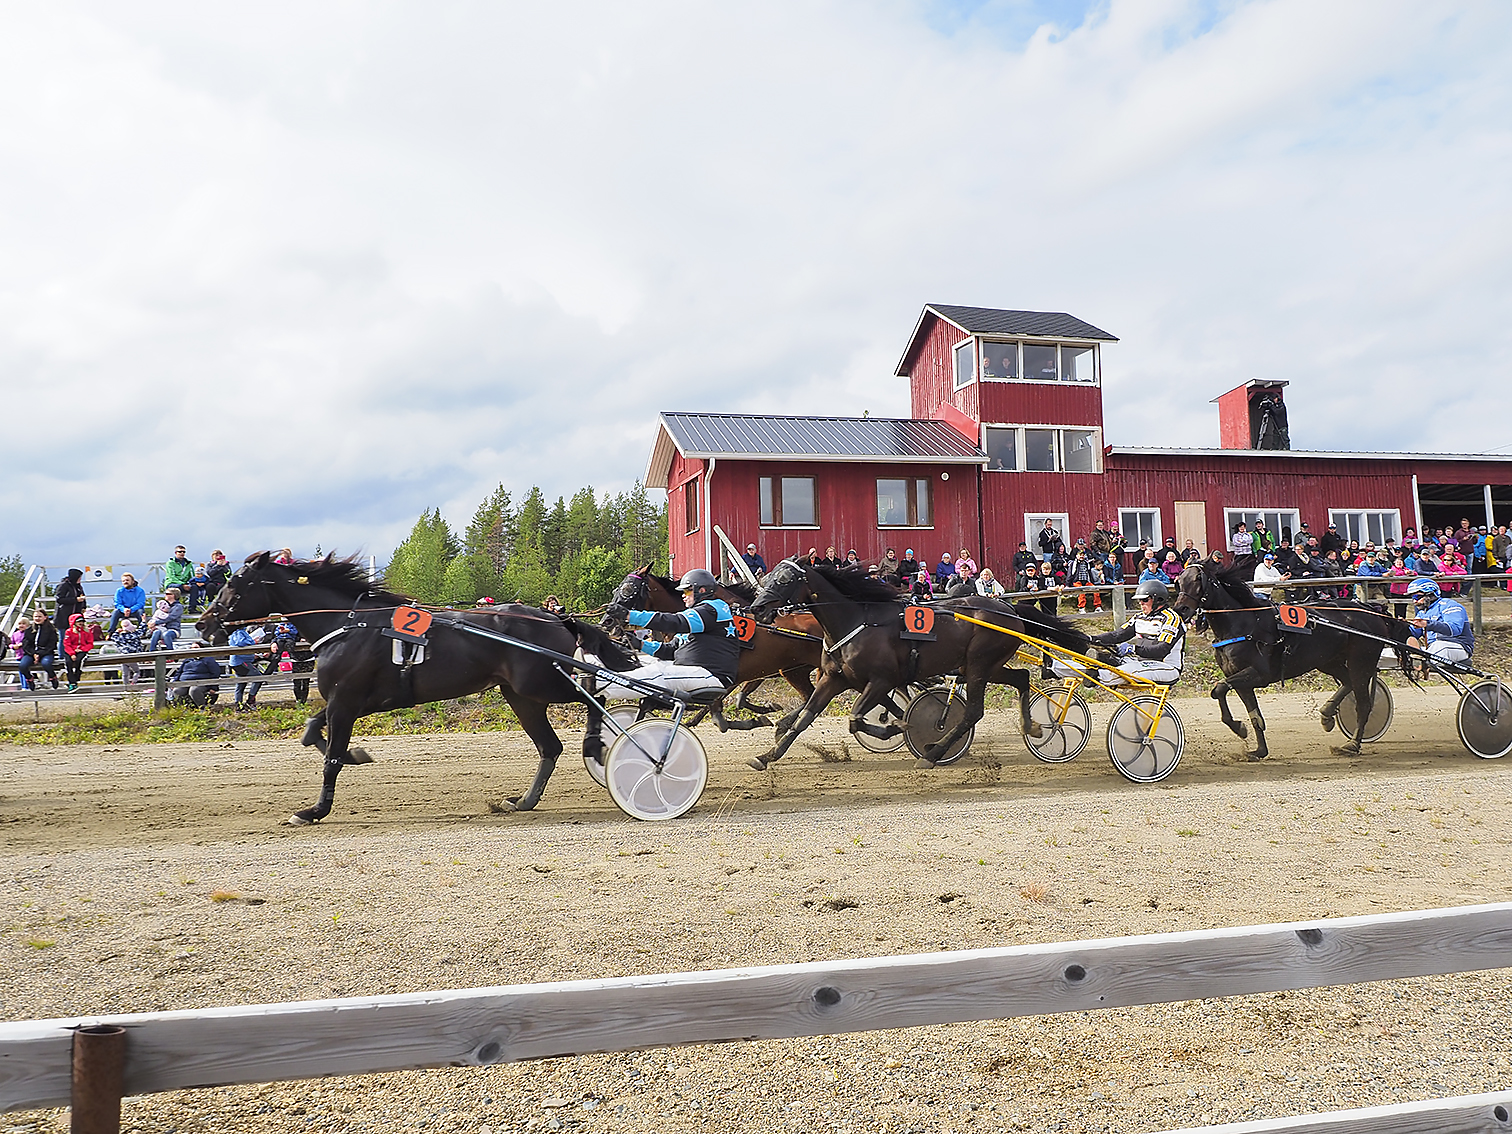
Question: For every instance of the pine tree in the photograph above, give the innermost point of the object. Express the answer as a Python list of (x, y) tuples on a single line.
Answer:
[(419, 564), (645, 530), (581, 527), (553, 535)]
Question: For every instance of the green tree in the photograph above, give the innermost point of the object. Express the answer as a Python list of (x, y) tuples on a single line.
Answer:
[(645, 529), (12, 571), (419, 564), (598, 572), (553, 535), (581, 526)]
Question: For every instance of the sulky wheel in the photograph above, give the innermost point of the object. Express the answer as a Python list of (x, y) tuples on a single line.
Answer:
[(932, 714), (644, 790), (624, 716), (1139, 756), (1484, 719), (882, 715), (1380, 713), (1065, 724)]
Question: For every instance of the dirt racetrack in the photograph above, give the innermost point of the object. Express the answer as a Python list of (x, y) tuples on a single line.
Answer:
[(111, 858)]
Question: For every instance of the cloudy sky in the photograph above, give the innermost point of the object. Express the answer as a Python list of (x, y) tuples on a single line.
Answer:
[(291, 273)]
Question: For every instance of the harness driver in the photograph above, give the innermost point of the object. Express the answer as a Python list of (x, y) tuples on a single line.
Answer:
[(704, 655), (1150, 642), (1441, 623)]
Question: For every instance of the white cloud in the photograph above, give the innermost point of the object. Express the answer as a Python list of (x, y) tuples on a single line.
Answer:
[(292, 278)]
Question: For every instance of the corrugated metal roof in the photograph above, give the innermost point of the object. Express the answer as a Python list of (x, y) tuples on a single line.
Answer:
[(1043, 324), (703, 435)]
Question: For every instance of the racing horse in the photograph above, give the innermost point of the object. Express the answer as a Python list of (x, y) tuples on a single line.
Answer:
[(335, 606), (790, 647), (862, 621), (1255, 651)]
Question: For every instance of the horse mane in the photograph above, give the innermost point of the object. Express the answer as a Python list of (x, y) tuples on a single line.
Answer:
[(1052, 627), (743, 592), (1232, 580), (349, 576), (594, 640), (855, 583)]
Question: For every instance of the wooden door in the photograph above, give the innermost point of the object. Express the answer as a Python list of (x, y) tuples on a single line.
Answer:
[(1191, 524)]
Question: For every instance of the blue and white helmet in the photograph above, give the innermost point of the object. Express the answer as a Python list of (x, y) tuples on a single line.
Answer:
[(1424, 592)]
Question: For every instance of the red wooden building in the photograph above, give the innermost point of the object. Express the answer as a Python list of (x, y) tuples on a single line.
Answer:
[(1007, 430)]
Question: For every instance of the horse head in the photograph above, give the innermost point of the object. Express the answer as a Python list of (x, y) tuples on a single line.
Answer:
[(632, 594), (246, 597), (1192, 587), (786, 584)]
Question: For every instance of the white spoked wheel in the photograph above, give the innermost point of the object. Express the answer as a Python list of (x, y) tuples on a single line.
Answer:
[(932, 714), (1380, 713), (882, 715), (624, 716), (1138, 755), (1484, 719), (1065, 724), (645, 786)]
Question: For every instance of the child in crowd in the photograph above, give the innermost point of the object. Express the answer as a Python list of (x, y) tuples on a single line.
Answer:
[(78, 640), (18, 647), (128, 639)]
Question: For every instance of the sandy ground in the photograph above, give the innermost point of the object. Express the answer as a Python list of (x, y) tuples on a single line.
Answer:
[(111, 857)]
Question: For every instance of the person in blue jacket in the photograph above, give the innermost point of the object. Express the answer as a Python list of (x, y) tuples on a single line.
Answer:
[(704, 655), (130, 602), (1442, 627)]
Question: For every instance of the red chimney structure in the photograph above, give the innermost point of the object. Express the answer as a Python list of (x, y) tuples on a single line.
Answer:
[(1239, 413)]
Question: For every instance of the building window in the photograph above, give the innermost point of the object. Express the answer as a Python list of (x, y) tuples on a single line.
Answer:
[(1280, 522), (904, 503), (690, 505), (1136, 524), (1368, 527), (1000, 360), (1027, 449), (788, 502), (1043, 362), (965, 364)]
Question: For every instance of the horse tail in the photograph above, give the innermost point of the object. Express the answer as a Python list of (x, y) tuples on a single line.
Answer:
[(1051, 627), (1399, 631), (595, 641)]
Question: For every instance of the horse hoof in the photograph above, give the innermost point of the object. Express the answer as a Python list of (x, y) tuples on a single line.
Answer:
[(1255, 757), (924, 765), (758, 763), (297, 820), (357, 756), (1328, 724), (1240, 730)]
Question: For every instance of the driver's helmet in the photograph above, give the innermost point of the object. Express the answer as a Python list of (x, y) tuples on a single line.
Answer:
[(702, 583), (1424, 592), (1152, 589)]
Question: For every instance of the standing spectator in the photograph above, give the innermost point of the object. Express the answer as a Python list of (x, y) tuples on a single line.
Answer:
[(1501, 548), (18, 647), (78, 640), (1400, 575), (244, 665), (1050, 542), (40, 645), (1021, 559), (1242, 544), (753, 561), (70, 600), (987, 585), (166, 621), (128, 639), (130, 602), (286, 653), (1100, 540), (178, 571), (1081, 574), (1116, 552), (966, 567), (218, 573), (1036, 583), (1331, 541)]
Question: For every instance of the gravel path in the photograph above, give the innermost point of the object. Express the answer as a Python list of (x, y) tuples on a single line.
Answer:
[(111, 859)]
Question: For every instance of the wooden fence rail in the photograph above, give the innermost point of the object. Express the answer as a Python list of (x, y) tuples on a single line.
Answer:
[(474, 1027)]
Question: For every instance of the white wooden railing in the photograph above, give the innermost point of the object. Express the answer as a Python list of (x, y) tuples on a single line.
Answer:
[(265, 1043)]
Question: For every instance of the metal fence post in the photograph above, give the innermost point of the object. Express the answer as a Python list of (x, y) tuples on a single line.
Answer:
[(1475, 599), (99, 1071), (159, 683)]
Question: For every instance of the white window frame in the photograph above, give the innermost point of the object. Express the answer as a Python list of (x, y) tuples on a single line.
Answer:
[(777, 504), (976, 364), (1341, 516), (1060, 445), (1059, 365), (1232, 516), (1157, 537), (1034, 523)]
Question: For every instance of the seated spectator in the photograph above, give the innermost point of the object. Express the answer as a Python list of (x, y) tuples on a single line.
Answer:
[(166, 622), (196, 590), (754, 562), (553, 605), (944, 572), (965, 566), (18, 647), (130, 602), (78, 640), (852, 559), (1035, 581), (218, 572), (285, 556), (1266, 574), (908, 567), (178, 571), (1148, 570), (128, 639), (40, 648), (1172, 566), (196, 669), (889, 566), (987, 584)]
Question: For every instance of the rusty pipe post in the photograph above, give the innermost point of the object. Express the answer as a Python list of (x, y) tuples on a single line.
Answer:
[(99, 1075)]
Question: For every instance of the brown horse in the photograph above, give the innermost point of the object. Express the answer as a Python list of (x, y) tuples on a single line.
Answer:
[(791, 647), (863, 619)]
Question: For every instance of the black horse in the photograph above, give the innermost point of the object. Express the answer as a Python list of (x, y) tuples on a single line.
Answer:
[(1255, 651), (862, 620), (336, 607)]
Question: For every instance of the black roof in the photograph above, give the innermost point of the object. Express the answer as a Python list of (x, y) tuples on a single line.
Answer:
[(810, 438), (1046, 324)]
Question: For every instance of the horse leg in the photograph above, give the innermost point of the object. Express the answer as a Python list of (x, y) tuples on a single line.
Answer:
[(314, 733), (593, 739), (830, 686), (532, 717), (976, 708), (1220, 694), (340, 724), (1364, 695), (1251, 702), (873, 695), (744, 700), (1019, 679), (1331, 706)]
